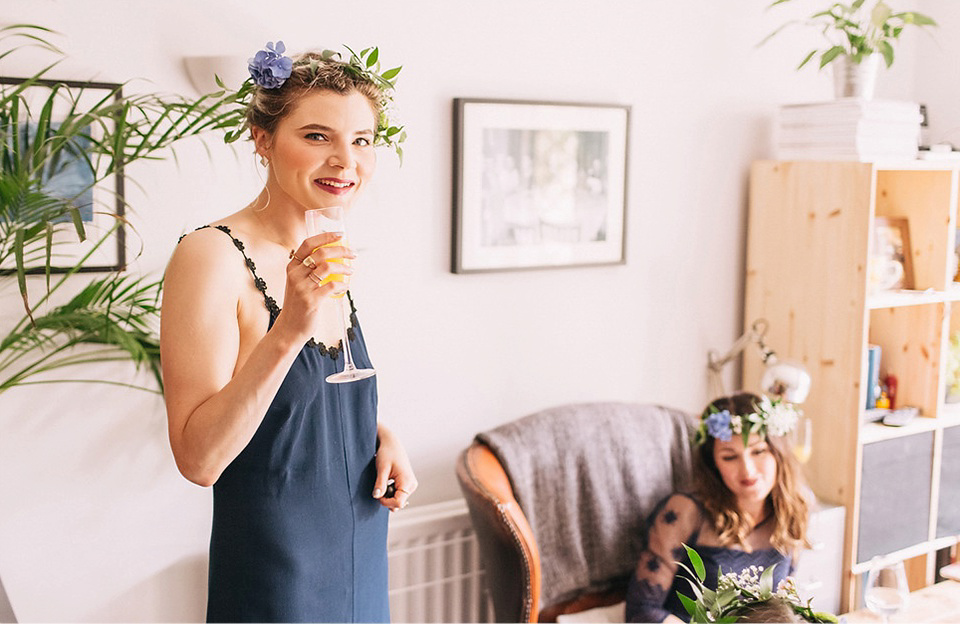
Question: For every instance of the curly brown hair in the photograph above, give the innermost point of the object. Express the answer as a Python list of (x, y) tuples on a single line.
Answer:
[(789, 504), (311, 72)]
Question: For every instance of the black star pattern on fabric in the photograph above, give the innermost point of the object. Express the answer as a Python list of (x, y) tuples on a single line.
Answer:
[(670, 516), (678, 553), (653, 565), (650, 591)]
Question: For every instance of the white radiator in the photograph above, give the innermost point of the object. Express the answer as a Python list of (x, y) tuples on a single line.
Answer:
[(435, 569)]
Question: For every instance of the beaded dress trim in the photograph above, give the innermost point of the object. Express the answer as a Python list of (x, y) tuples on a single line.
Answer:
[(271, 303)]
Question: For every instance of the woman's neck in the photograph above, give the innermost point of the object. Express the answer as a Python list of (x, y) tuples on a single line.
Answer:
[(759, 511), (280, 223)]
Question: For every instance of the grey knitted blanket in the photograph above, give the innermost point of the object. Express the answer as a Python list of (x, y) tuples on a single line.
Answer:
[(586, 477)]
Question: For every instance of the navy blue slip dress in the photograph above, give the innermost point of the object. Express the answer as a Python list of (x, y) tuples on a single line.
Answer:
[(297, 535)]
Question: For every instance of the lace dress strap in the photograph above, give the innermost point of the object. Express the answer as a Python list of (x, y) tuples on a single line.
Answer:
[(271, 303)]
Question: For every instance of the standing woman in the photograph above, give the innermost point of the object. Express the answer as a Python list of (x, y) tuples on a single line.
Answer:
[(748, 507), (299, 467)]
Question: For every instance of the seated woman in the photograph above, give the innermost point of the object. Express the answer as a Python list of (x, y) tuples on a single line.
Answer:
[(748, 507)]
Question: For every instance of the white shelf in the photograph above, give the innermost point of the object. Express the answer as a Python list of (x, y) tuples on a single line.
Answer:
[(904, 298), (918, 165), (916, 550), (877, 432)]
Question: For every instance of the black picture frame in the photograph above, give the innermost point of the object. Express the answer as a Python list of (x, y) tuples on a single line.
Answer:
[(99, 200), (538, 184)]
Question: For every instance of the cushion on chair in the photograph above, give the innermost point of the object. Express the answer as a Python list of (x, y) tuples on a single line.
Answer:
[(586, 476)]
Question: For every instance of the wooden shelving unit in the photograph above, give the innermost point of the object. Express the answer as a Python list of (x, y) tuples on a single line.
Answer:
[(809, 240)]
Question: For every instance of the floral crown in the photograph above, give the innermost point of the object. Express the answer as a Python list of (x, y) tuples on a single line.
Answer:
[(270, 69), (775, 417), (738, 593)]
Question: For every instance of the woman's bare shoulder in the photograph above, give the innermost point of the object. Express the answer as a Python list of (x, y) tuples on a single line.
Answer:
[(206, 261)]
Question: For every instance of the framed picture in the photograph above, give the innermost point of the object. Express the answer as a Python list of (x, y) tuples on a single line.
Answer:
[(70, 176), (891, 263), (538, 184)]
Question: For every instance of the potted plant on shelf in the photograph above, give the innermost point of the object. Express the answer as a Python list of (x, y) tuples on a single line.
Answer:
[(858, 35), (44, 129)]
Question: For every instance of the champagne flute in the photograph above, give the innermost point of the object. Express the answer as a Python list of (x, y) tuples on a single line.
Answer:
[(801, 440), (887, 591), (331, 219)]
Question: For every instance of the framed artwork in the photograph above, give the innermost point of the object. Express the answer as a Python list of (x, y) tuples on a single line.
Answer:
[(891, 263), (538, 184), (98, 200)]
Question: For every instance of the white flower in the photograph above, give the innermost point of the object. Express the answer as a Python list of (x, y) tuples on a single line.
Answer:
[(749, 578), (736, 424), (787, 589), (765, 405), (781, 418), (727, 581)]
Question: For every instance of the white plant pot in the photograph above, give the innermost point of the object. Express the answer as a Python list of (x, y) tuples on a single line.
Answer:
[(857, 80)]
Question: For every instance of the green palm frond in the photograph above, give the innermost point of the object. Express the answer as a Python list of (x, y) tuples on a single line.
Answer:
[(114, 312), (101, 136), (46, 126)]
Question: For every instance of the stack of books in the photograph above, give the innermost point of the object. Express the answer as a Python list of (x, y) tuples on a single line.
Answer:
[(849, 129)]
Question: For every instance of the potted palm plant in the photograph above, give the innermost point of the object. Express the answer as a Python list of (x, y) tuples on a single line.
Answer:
[(857, 35), (43, 129)]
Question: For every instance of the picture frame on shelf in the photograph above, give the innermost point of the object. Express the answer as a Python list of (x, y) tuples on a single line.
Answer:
[(891, 261), (100, 207), (538, 184)]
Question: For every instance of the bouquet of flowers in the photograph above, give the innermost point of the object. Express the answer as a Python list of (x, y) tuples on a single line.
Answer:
[(738, 595)]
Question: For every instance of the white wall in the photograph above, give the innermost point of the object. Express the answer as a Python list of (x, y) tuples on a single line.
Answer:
[(938, 73), (95, 523)]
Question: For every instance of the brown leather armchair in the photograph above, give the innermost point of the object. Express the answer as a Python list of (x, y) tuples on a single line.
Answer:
[(509, 546)]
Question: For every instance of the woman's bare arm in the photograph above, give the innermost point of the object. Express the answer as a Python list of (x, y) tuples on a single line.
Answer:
[(214, 407)]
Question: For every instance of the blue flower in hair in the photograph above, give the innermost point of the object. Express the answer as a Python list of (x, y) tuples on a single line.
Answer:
[(269, 68), (718, 425)]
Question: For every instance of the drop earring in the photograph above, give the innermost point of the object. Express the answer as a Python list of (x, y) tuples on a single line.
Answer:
[(264, 161)]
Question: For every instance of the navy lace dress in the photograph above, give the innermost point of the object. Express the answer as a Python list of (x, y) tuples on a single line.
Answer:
[(297, 535), (677, 520)]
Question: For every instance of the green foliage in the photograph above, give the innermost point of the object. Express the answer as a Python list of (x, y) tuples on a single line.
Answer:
[(100, 131), (857, 30), (736, 593), (111, 314)]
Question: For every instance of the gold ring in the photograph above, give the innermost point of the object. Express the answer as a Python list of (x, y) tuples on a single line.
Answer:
[(313, 278), (404, 491), (310, 262), (294, 256)]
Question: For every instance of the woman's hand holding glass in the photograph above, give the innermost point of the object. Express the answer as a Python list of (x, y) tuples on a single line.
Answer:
[(331, 220), (311, 277)]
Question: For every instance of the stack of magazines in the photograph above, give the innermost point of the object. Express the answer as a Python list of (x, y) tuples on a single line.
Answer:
[(849, 129)]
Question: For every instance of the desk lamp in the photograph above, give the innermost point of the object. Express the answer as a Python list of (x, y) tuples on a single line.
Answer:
[(789, 381)]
